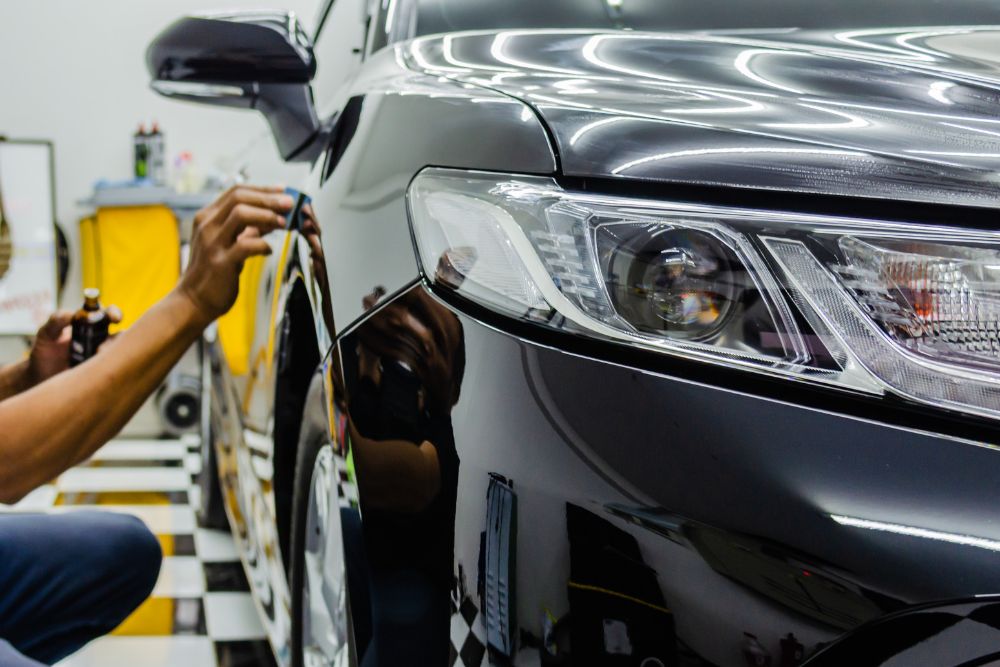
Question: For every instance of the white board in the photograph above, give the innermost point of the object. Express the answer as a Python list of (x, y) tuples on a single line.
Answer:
[(28, 288)]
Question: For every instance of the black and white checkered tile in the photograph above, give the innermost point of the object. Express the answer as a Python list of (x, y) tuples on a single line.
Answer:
[(468, 636), (201, 613)]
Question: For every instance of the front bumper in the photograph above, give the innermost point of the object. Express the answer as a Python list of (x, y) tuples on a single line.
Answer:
[(737, 523)]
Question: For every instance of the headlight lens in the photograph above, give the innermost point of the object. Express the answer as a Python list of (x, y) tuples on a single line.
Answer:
[(866, 305), (675, 282)]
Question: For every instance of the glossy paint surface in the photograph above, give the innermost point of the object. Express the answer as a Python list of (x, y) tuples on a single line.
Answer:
[(441, 16), (242, 47), (570, 510), (892, 113), (923, 637), (711, 524), (405, 121)]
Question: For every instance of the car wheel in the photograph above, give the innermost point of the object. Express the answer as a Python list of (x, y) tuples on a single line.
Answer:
[(211, 511), (321, 623)]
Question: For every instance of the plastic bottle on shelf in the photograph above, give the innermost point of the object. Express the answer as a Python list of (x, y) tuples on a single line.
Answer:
[(140, 147), (187, 177), (157, 156)]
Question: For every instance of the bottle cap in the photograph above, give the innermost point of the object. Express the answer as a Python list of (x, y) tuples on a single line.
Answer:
[(92, 293)]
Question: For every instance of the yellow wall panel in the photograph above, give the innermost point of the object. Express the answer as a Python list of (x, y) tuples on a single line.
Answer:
[(236, 327), (88, 252), (133, 256)]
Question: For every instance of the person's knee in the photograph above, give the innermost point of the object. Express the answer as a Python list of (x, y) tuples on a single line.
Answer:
[(129, 554), (140, 553), (76, 576)]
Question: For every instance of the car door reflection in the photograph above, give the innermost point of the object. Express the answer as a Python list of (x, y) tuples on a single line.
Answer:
[(403, 369)]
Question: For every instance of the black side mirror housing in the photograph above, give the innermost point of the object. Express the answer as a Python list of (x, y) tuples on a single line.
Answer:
[(252, 59)]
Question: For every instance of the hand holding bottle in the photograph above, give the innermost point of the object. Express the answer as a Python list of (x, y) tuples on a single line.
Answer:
[(50, 351)]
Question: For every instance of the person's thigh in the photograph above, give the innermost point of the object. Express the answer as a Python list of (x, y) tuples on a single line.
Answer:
[(66, 579)]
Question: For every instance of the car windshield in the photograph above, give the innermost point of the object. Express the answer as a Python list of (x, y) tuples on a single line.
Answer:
[(437, 16)]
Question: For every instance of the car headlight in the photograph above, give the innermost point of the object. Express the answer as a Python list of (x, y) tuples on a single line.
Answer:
[(865, 305)]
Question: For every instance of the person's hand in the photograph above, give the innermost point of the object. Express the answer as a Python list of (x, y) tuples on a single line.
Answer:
[(226, 233), (424, 335), (50, 351)]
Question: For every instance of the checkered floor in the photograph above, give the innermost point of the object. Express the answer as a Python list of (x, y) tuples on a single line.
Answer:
[(468, 636), (201, 613)]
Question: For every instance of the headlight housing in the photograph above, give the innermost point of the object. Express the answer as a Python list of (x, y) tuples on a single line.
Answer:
[(865, 305)]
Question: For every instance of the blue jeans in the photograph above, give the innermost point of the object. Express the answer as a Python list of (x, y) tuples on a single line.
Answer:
[(69, 578)]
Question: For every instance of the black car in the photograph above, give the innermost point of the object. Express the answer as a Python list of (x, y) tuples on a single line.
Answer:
[(617, 332)]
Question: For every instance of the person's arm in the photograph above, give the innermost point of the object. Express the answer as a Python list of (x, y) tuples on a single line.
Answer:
[(396, 475), (62, 421), (15, 378)]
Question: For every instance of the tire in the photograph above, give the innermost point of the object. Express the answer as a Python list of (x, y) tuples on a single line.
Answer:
[(313, 454), (211, 511)]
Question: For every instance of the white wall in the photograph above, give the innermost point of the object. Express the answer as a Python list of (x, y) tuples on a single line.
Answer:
[(73, 71)]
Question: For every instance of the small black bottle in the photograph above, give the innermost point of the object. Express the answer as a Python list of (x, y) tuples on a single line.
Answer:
[(90, 328)]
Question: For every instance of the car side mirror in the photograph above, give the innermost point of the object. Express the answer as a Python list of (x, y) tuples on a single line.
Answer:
[(259, 60)]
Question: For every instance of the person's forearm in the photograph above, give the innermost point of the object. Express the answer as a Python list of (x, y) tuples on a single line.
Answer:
[(15, 378), (396, 475), (62, 421)]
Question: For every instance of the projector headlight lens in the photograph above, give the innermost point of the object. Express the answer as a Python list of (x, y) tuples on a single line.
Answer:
[(673, 282), (869, 306)]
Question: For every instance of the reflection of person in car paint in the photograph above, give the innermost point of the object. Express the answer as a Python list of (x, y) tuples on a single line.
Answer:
[(66, 579), (312, 233), (410, 361), (411, 358)]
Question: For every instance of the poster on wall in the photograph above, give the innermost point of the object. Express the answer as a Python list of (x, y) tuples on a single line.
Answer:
[(27, 237)]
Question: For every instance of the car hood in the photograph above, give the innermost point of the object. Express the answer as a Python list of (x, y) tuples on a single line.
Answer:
[(903, 113)]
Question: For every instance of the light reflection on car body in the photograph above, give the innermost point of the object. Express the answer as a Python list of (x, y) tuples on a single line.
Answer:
[(592, 504)]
